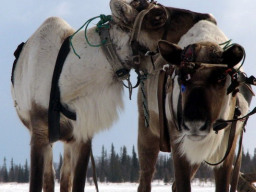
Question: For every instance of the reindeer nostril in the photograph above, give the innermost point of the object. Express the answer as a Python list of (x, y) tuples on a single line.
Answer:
[(185, 127), (204, 127)]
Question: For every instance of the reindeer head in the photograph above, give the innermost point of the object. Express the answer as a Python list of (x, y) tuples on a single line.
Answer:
[(200, 86), (157, 21)]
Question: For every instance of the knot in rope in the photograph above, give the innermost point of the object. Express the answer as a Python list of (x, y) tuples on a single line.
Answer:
[(104, 19), (104, 22)]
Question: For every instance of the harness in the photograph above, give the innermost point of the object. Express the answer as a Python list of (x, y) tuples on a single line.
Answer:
[(17, 55), (55, 106), (137, 48)]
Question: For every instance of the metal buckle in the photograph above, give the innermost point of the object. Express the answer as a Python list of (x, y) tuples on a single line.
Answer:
[(122, 72)]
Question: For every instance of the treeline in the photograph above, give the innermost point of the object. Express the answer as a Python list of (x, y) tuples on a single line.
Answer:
[(15, 173), (120, 167)]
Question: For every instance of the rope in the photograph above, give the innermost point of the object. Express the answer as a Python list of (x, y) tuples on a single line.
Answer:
[(144, 98), (104, 22), (227, 44)]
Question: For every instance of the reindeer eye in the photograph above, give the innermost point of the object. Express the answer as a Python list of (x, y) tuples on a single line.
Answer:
[(218, 78)]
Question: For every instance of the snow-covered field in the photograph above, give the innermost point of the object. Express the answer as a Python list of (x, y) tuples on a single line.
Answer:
[(111, 187)]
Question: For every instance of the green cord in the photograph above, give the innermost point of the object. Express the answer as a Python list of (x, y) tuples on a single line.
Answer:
[(104, 22), (227, 44)]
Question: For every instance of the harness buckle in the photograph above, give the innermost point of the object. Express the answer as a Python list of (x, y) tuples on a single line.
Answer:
[(122, 72)]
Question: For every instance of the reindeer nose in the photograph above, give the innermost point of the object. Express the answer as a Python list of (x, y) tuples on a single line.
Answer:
[(195, 126), (196, 106)]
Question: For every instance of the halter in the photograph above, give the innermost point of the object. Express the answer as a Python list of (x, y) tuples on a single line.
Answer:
[(137, 48), (237, 77)]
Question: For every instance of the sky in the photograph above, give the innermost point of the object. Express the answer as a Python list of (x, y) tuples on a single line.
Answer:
[(18, 21)]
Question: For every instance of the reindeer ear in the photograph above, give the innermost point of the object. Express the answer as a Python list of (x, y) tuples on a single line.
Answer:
[(139, 5), (156, 18), (170, 52), (122, 12), (233, 55)]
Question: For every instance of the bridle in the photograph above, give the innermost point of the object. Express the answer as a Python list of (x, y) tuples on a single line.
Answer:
[(237, 78), (137, 49)]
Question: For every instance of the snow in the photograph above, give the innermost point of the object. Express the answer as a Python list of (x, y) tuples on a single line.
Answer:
[(112, 187)]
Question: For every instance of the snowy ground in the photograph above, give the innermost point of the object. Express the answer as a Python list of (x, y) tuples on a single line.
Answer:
[(112, 187)]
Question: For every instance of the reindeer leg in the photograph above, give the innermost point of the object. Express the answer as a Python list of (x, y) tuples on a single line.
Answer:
[(49, 173), (66, 175), (80, 158), (41, 157), (223, 172), (148, 149), (183, 171), (193, 171)]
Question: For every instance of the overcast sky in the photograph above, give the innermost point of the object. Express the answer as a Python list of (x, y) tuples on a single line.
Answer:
[(19, 19)]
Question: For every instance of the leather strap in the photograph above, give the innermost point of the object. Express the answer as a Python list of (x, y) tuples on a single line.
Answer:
[(232, 134), (163, 125), (17, 55), (121, 72), (136, 31), (236, 171), (55, 106)]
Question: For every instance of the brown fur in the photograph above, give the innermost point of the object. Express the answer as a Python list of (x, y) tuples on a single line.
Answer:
[(148, 143), (81, 166), (65, 175), (180, 22)]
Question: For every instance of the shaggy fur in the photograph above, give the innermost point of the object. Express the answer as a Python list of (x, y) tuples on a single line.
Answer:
[(88, 87), (187, 153)]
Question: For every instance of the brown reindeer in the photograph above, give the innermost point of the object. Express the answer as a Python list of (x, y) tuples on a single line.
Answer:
[(196, 98)]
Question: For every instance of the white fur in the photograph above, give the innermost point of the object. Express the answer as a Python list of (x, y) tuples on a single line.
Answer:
[(213, 147), (88, 85), (203, 31)]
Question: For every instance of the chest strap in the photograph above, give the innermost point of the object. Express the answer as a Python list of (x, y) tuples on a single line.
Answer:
[(55, 106)]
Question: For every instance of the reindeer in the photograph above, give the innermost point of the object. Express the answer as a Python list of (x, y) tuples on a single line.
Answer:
[(196, 100), (88, 85)]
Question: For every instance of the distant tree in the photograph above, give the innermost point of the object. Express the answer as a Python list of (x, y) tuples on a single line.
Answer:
[(246, 162), (26, 172), (103, 165), (11, 172), (114, 166), (134, 175), (5, 172), (20, 174), (125, 164), (254, 161)]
